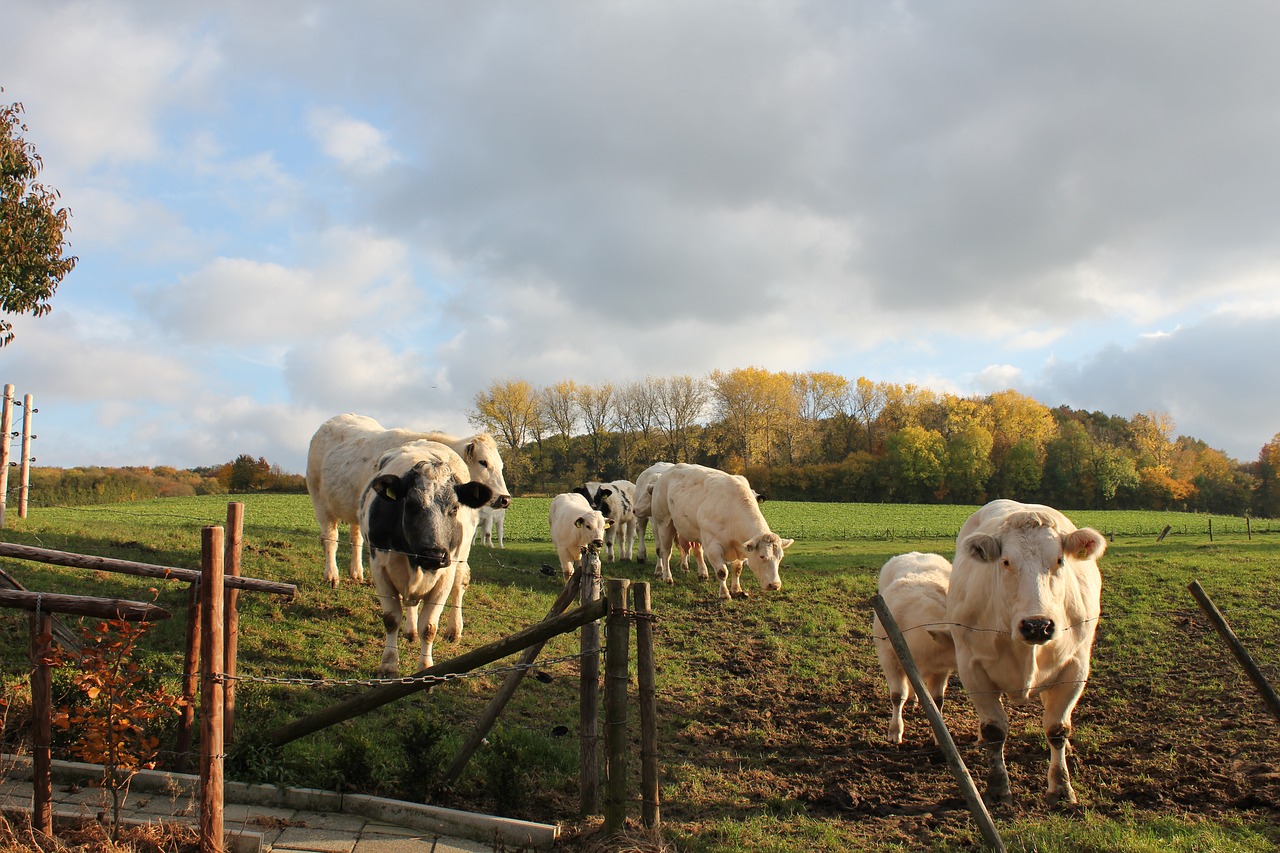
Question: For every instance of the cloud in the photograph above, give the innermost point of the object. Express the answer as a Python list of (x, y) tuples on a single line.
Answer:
[(354, 144)]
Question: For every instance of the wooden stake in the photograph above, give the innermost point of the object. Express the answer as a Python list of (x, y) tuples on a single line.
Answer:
[(231, 559), (190, 679), (41, 723), (1237, 648), (211, 692), (589, 692), (617, 651), (6, 426), (24, 464), (646, 683), (508, 688), (970, 791)]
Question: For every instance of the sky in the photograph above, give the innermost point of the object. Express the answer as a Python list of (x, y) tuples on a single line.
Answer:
[(284, 211)]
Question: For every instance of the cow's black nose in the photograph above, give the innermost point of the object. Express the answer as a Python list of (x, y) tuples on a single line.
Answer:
[(430, 559), (1036, 630)]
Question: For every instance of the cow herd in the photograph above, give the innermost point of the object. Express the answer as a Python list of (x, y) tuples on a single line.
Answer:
[(1014, 616)]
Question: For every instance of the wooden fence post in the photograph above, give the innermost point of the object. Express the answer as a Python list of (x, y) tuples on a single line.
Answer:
[(231, 642), (211, 692), (6, 425), (41, 722), (24, 464), (1237, 648), (970, 791), (617, 651), (646, 685), (190, 678), (589, 691)]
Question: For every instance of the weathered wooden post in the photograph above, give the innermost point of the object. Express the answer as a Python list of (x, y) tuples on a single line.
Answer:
[(617, 640), (231, 642), (1237, 648), (646, 685), (41, 721), (190, 678), (24, 486), (970, 791), (6, 425), (211, 692), (589, 691)]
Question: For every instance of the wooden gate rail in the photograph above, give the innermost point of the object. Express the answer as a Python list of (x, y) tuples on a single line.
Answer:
[(42, 606)]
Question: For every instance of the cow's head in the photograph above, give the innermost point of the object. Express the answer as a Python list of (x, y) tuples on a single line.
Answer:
[(591, 527), (416, 513), (1034, 572), (764, 556), (485, 464)]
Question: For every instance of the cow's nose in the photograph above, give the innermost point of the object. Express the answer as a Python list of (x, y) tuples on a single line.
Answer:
[(501, 502), (776, 585), (597, 542), (1036, 631), (430, 559)]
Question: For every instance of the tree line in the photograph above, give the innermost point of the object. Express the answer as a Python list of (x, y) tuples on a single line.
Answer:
[(820, 436), (98, 485)]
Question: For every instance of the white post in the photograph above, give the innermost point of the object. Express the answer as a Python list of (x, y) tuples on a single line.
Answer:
[(25, 467)]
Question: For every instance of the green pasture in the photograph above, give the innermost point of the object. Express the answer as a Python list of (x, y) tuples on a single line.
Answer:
[(772, 709)]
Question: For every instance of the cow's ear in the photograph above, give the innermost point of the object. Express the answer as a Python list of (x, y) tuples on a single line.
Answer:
[(469, 453), (787, 543), (1084, 544), (750, 544), (579, 522), (760, 498), (983, 546), (608, 522), (388, 486), (603, 493), (473, 494)]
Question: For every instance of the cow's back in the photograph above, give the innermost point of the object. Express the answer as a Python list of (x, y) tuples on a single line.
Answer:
[(342, 459), (706, 502)]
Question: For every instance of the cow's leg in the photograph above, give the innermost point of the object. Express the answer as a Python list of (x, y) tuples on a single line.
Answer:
[(392, 615), (501, 523), (453, 622), (357, 554), (1059, 701), (993, 727), (936, 684), (329, 545), (735, 569), (899, 693), (429, 614), (664, 536), (696, 549), (642, 525), (715, 557)]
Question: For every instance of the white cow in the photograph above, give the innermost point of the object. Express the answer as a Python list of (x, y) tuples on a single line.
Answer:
[(574, 526), (914, 588), (615, 500), (416, 513), (693, 503), (644, 500), (1023, 607), (343, 457), (491, 520)]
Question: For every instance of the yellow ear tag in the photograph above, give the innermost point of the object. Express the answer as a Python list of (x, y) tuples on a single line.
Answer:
[(391, 495)]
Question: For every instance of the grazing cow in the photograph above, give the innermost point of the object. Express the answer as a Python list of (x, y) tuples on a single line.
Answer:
[(343, 457), (1023, 607), (914, 588), (644, 500), (693, 503), (615, 500), (574, 526), (415, 512), (491, 519)]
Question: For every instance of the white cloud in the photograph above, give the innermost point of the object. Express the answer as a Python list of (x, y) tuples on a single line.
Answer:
[(355, 144)]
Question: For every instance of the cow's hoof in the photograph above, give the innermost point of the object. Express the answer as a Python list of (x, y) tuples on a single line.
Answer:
[(998, 801), (450, 636), (412, 638), (742, 593), (333, 582), (387, 672), (1062, 799)]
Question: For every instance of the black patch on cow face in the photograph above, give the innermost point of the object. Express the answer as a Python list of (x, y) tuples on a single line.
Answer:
[(413, 515)]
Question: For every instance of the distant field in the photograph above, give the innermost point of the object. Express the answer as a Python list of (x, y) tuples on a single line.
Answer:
[(772, 708)]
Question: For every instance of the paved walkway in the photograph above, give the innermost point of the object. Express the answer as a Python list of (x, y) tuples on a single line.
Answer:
[(283, 820)]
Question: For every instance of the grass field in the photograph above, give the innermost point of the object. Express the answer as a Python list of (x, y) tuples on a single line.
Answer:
[(772, 709)]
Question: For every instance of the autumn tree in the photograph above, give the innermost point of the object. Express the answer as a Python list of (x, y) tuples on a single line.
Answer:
[(595, 405), (681, 404), (1266, 493), (865, 403), (509, 410), (968, 464), (818, 396), (751, 402), (917, 458), (33, 228)]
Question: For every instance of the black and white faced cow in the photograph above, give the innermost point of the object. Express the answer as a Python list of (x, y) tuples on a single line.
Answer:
[(616, 501), (1023, 604), (417, 513)]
